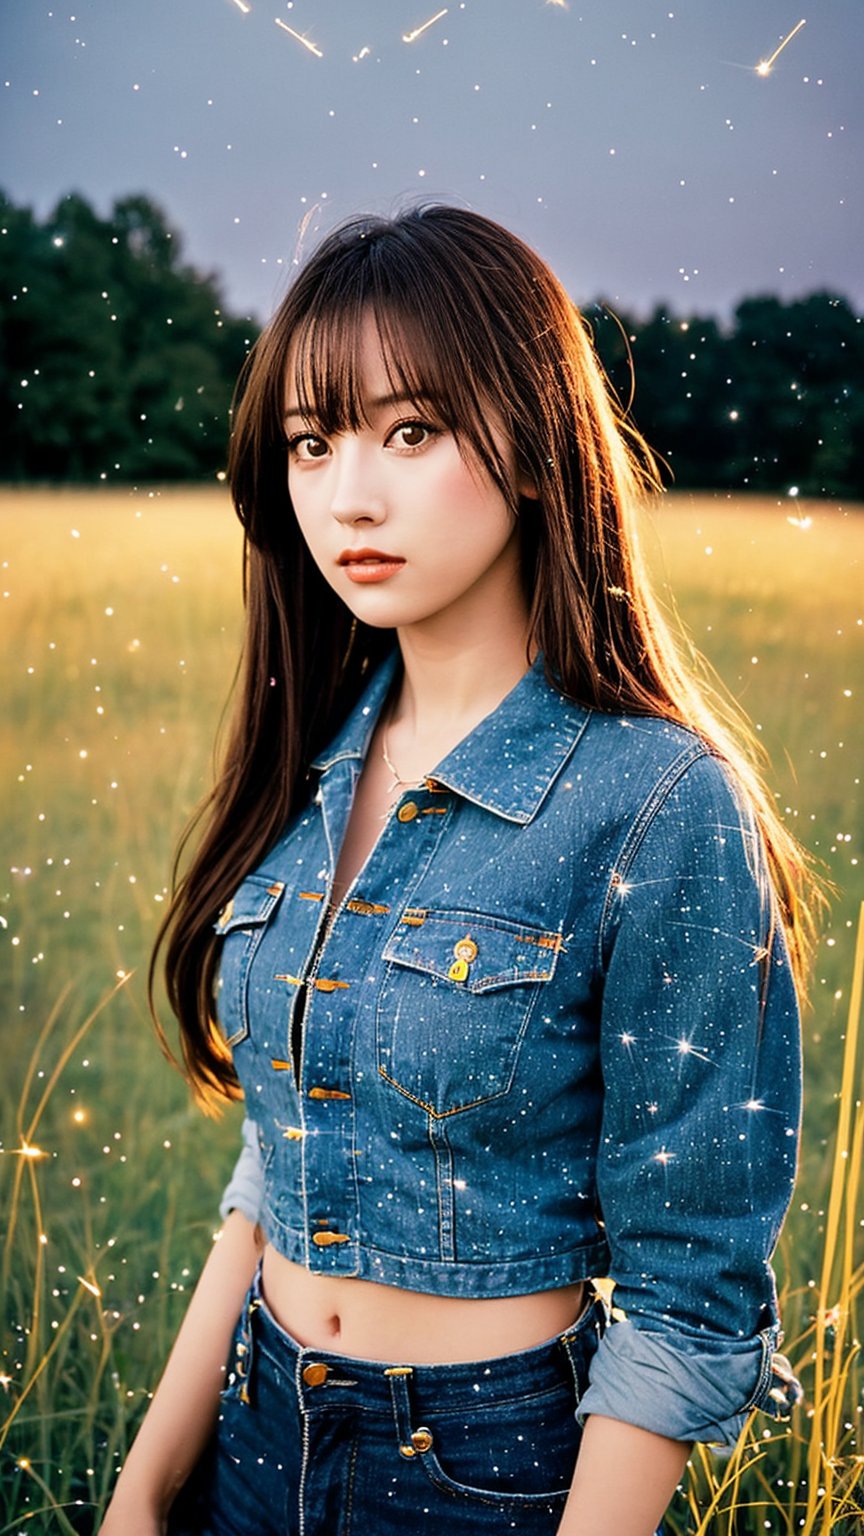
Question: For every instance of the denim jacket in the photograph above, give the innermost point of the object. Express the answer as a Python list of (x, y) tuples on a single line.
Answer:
[(550, 1033)]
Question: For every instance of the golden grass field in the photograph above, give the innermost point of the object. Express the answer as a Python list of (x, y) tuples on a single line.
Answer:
[(122, 617)]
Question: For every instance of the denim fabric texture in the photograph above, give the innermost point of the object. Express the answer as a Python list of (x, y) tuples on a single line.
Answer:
[(550, 1033), (311, 1443)]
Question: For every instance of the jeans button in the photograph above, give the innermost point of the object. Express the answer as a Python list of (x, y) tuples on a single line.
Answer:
[(316, 1373)]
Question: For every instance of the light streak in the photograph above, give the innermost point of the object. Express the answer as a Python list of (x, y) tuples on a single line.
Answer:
[(765, 66), (299, 37), (663, 1156), (242, 6), (89, 1286), (26, 1150), (363, 54), (409, 37)]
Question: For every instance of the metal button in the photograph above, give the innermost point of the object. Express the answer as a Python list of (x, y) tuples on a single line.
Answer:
[(421, 1439), (407, 1451), (408, 811), (466, 950), (316, 1373), (324, 1239)]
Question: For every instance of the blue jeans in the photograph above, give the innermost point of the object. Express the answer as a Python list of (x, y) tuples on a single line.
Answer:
[(312, 1443)]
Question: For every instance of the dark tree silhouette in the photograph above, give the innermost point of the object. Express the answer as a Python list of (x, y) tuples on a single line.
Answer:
[(117, 361)]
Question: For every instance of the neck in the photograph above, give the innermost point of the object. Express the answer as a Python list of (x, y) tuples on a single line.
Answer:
[(450, 683)]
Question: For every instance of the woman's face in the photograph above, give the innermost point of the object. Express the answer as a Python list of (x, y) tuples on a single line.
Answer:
[(402, 527)]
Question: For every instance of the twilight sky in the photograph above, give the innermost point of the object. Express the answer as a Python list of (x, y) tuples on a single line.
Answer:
[(632, 142)]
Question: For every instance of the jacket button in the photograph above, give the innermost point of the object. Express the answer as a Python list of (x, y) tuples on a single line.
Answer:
[(408, 811), (315, 1374)]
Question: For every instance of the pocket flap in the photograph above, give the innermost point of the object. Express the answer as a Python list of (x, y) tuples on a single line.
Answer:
[(251, 904), (472, 951)]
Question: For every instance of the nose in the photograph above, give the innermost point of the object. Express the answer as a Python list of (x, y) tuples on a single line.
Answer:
[(357, 493)]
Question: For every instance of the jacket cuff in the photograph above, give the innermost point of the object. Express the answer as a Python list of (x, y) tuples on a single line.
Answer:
[(245, 1188), (686, 1388)]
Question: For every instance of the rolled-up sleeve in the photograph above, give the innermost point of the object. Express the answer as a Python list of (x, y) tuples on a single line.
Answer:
[(245, 1188), (700, 1053)]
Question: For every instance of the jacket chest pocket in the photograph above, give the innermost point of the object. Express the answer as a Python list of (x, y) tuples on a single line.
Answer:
[(454, 1005), (241, 925)]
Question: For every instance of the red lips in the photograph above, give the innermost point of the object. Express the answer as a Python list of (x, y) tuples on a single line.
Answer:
[(366, 566), (376, 556)]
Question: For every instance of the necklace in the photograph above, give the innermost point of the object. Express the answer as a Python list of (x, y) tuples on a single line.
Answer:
[(397, 782)]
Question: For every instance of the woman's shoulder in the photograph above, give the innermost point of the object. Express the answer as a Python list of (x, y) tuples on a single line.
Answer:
[(645, 762)]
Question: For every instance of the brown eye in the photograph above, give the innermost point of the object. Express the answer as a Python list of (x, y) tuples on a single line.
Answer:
[(411, 434), (307, 447)]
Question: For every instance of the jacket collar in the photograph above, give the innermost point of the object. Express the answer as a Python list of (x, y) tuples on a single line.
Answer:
[(507, 764)]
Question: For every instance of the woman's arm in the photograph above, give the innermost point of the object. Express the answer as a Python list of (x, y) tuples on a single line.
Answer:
[(184, 1406), (623, 1481)]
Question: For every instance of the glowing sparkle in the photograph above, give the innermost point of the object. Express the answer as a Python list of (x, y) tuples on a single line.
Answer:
[(363, 54), (754, 1104), (765, 66), (26, 1150), (627, 1039), (685, 1047), (298, 36), (410, 37), (663, 1156), (242, 6), (5, 1381), (89, 1286)]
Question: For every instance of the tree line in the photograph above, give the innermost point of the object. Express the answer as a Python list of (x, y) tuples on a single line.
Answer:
[(118, 361)]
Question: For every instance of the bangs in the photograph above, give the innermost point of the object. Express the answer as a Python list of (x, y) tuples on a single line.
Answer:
[(425, 354)]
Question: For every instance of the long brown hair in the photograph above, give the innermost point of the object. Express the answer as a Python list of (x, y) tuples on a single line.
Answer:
[(469, 318)]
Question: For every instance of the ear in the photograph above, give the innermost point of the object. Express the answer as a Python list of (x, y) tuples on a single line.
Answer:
[(525, 487)]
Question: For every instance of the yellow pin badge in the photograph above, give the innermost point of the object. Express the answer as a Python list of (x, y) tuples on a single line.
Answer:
[(465, 951)]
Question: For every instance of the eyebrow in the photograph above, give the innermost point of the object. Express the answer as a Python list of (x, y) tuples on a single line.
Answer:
[(380, 403)]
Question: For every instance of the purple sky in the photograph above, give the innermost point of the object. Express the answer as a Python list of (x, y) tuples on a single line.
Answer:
[(632, 142)]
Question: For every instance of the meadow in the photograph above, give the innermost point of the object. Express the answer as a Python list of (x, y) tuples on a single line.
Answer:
[(122, 619)]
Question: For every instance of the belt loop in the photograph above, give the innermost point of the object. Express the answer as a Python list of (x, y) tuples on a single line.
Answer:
[(590, 1326), (397, 1381)]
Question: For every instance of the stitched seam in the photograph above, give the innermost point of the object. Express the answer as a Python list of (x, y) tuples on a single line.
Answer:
[(637, 832)]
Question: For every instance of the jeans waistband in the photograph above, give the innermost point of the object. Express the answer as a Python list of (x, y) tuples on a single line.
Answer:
[(325, 1378)]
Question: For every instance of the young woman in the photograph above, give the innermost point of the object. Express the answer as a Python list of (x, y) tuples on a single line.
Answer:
[(496, 931)]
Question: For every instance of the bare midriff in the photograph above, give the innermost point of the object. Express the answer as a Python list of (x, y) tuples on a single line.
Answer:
[(382, 1322)]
